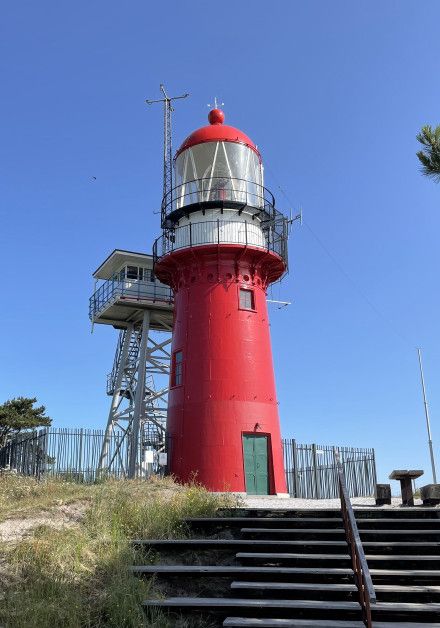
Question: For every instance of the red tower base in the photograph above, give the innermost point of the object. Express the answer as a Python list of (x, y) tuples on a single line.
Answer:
[(223, 414)]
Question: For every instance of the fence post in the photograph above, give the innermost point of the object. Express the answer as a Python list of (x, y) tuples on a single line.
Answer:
[(315, 472), (374, 470), (80, 451), (295, 469)]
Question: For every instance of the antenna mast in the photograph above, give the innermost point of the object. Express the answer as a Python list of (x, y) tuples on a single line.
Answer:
[(167, 139)]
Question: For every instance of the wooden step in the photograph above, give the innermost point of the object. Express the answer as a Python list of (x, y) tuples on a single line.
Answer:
[(410, 573), (251, 606), (282, 557), (311, 608), (262, 622), (405, 611), (235, 544), (197, 522), (407, 593), (414, 548), (414, 561), (418, 559), (421, 512), (402, 521), (391, 592), (301, 590), (280, 512), (310, 574), (274, 532), (254, 622), (304, 522)]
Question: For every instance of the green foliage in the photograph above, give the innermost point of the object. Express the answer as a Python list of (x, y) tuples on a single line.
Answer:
[(430, 155), (19, 414)]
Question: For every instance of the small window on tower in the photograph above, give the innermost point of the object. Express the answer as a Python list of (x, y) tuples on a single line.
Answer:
[(177, 369), (247, 300)]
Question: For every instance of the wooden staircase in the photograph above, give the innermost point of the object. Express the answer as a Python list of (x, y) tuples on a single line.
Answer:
[(293, 568)]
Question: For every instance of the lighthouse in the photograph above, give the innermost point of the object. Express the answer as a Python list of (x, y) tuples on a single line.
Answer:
[(223, 243)]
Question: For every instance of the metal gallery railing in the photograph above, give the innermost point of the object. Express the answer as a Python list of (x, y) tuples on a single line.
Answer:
[(362, 577), (311, 471), (132, 289), (223, 190), (266, 236)]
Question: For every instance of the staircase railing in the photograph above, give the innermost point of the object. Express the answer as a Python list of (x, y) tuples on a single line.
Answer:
[(364, 583)]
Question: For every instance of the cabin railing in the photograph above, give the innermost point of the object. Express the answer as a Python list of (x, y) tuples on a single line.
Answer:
[(130, 289), (364, 583)]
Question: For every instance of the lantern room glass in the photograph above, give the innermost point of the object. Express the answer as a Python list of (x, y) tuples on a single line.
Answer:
[(218, 171)]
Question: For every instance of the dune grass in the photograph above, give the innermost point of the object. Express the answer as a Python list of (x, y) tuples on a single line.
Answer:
[(22, 496), (79, 576)]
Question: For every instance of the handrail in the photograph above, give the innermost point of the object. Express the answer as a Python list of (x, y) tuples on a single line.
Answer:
[(364, 583), (135, 289)]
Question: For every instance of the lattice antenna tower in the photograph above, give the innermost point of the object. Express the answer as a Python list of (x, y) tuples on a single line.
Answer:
[(167, 141)]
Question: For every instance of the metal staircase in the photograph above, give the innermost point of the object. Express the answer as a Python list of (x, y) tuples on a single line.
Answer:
[(137, 419)]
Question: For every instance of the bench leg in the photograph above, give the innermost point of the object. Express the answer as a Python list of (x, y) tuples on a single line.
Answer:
[(407, 492)]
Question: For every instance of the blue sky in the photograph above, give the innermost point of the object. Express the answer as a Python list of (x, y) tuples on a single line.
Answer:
[(333, 94)]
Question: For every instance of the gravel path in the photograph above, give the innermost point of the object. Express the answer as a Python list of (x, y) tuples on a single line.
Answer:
[(317, 504)]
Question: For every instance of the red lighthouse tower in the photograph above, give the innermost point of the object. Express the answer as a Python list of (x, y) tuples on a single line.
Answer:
[(223, 243)]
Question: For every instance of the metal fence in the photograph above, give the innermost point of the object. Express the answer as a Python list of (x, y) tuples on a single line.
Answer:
[(74, 453), (311, 470), (62, 452)]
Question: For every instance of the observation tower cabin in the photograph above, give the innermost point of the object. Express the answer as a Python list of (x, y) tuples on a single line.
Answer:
[(127, 288)]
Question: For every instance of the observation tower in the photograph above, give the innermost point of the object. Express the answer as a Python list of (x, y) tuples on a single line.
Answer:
[(223, 244)]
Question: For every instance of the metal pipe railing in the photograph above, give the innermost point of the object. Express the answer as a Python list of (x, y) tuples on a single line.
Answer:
[(112, 289), (209, 189), (267, 236), (364, 583)]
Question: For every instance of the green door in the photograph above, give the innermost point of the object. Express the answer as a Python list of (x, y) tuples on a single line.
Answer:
[(255, 464)]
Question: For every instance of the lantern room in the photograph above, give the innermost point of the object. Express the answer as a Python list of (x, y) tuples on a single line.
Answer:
[(218, 163)]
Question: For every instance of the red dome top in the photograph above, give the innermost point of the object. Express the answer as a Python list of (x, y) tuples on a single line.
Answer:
[(217, 132)]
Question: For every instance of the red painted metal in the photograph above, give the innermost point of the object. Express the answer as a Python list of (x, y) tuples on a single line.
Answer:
[(216, 131), (228, 386), (216, 116)]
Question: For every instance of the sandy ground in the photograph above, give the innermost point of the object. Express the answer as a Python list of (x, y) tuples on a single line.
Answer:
[(15, 529)]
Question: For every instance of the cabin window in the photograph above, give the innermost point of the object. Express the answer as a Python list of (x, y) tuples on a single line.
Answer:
[(246, 299), (134, 272), (177, 369)]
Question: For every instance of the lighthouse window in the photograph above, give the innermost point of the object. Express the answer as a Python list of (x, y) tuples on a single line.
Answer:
[(178, 369), (247, 300)]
